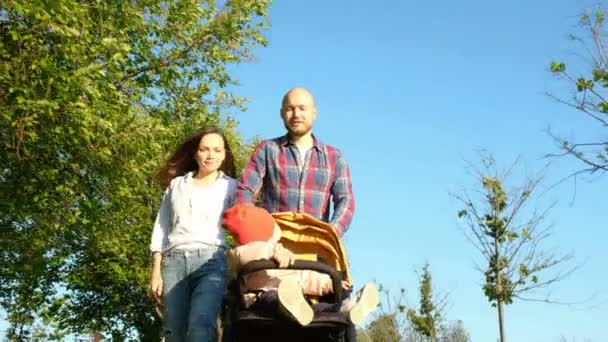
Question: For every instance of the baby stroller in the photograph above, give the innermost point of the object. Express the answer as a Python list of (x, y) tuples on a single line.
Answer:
[(318, 248)]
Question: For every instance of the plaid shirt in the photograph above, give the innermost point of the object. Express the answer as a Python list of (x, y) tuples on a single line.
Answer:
[(275, 169)]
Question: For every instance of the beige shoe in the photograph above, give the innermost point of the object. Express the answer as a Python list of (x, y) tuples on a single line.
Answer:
[(293, 302), (365, 302)]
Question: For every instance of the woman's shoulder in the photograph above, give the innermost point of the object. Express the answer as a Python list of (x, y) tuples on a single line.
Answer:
[(175, 181), (227, 178), (231, 182)]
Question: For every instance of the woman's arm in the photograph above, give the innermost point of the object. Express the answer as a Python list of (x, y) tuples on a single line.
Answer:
[(156, 281), (159, 234)]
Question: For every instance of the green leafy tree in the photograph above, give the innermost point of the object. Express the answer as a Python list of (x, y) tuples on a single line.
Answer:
[(396, 321), (384, 328), (454, 332), (93, 96), (509, 239), (427, 319), (590, 95), (389, 321)]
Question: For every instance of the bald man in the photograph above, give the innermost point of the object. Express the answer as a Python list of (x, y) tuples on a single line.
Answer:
[(297, 172)]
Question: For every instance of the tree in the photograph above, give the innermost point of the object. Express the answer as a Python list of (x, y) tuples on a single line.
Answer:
[(93, 95), (427, 322), (509, 238), (563, 338), (396, 321), (427, 319), (384, 328), (590, 96), (454, 332)]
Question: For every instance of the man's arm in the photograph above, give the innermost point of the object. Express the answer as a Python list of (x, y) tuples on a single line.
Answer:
[(253, 176), (342, 195)]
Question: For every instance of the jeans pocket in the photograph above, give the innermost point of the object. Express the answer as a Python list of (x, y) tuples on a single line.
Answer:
[(216, 263), (219, 259), (167, 258), (163, 259)]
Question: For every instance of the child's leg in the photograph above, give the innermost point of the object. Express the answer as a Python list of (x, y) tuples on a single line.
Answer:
[(323, 307), (363, 303), (293, 303), (266, 303)]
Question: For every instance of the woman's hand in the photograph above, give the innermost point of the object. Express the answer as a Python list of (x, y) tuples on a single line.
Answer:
[(156, 286), (156, 280)]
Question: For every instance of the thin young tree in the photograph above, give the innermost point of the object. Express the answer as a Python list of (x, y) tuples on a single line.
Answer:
[(426, 320), (589, 95), (510, 234)]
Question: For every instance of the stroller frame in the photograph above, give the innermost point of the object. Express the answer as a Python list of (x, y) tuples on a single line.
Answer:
[(244, 325)]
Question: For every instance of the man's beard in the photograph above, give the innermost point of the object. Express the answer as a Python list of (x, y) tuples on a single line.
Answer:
[(299, 132)]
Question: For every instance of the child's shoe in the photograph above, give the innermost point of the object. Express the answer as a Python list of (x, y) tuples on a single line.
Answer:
[(293, 302), (365, 301)]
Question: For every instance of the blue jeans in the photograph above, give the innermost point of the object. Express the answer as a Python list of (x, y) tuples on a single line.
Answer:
[(193, 289)]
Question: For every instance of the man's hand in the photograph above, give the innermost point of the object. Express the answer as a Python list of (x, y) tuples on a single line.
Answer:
[(346, 285), (283, 256), (335, 227)]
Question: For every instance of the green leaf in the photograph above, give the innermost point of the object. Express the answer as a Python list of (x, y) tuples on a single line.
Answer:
[(558, 67), (98, 93), (583, 84)]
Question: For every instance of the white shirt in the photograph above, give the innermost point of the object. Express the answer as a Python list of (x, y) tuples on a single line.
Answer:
[(190, 216), (302, 154)]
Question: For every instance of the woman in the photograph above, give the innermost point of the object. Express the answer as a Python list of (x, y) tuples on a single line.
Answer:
[(189, 268)]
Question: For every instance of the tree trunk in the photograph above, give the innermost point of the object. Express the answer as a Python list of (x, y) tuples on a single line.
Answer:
[(501, 320), (500, 291)]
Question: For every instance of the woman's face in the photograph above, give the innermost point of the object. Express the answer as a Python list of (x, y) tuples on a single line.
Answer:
[(211, 153)]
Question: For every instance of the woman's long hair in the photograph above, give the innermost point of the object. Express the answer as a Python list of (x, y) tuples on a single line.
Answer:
[(182, 161)]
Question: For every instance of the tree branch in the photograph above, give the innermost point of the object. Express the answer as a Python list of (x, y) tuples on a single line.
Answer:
[(168, 60), (580, 107)]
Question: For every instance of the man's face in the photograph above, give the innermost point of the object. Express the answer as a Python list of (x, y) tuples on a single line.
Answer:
[(298, 112)]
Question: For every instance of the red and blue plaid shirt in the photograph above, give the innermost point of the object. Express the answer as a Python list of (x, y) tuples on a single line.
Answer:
[(275, 169)]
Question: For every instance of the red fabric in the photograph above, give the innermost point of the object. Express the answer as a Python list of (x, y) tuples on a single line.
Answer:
[(248, 223)]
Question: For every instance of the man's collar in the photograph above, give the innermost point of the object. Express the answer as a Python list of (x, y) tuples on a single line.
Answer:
[(316, 143)]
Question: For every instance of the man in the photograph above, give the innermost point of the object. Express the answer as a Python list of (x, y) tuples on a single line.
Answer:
[(297, 172)]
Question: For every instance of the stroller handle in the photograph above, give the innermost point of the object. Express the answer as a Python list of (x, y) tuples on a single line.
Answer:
[(260, 265)]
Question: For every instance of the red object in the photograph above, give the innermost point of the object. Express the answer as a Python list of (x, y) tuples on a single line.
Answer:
[(248, 223)]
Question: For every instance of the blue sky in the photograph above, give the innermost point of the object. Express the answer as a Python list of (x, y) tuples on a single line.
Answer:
[(408, 91)]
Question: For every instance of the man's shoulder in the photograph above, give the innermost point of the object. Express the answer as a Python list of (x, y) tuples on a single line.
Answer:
[(276, 141), (272, 142), (331, 150)]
